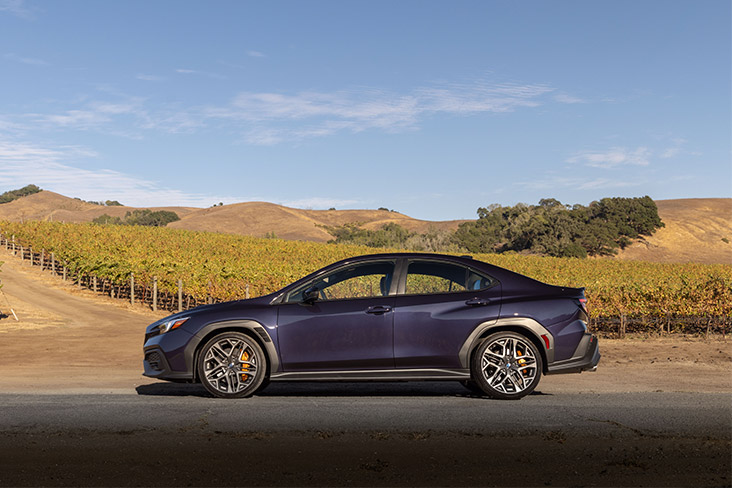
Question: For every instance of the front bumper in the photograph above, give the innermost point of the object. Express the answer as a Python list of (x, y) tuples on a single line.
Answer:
[(585, 358)]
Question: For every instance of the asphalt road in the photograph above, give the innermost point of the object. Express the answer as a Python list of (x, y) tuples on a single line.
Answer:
[(364, 434)]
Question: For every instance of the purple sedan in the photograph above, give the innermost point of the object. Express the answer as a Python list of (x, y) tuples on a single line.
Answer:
[(382, 317)]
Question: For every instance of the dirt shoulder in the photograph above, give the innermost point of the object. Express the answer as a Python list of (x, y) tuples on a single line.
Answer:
[(69, 339)]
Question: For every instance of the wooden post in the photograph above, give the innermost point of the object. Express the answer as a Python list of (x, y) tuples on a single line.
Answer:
[(622, 326), (180, 295), (21, 254), (246, 291), (53, 263), (155, 294), (209, 298), (64, 278), (132, 288), (43, 258), (95, 283), (30, 248), (13, 245)]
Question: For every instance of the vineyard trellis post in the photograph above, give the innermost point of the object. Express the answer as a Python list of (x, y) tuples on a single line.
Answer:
[(64, 276), (132, 288), (94, 283), (53, 263), (43, 257), (155, 294), (180, 295), (246, 291)]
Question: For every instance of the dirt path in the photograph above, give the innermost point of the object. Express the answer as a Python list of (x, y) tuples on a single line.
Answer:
[(71, 339), (66, 337)]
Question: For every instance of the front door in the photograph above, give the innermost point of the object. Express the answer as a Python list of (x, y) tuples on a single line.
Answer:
[(349, 327)]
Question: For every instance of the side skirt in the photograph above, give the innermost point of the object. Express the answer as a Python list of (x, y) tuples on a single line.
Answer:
[(374, 375)]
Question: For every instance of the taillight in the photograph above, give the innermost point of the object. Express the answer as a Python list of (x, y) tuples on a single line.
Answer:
[(583, 304)]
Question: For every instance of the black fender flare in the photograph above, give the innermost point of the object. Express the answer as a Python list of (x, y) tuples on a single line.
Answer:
[(252, 327)]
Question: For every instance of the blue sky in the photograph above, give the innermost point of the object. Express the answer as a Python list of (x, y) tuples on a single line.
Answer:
[(429, 108)]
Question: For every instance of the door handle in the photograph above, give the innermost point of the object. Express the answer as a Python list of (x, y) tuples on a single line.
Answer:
[(478, 302), (378, 309)]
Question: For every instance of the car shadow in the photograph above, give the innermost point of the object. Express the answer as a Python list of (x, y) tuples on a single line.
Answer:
[(335, 389), (172, 389)]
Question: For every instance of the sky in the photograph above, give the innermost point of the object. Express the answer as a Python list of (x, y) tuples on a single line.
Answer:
[(430, 108)]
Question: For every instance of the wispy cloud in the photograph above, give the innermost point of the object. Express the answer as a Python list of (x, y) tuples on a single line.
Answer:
[(674, 149), (25, 60), (17, 8), (318, 203), (268, 118), (50, 169), (144, 77), (555, 182), (617, 156), (255, 54), (564, 98), (284, 117), (186, 71)]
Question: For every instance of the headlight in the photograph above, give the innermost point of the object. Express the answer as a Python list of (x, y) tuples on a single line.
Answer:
[(171, 324)]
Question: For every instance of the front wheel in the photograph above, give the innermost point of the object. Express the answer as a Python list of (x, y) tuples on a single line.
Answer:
[(232, 365), (506, 365)]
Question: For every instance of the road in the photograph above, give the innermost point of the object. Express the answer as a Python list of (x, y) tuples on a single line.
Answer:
[(365, 434)]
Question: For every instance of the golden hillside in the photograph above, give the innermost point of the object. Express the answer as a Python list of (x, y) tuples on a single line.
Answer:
[(261, 218), (694, 232), (47, 205)]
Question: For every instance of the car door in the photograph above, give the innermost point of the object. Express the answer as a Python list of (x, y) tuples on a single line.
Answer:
[(439, 305), (350, 325)]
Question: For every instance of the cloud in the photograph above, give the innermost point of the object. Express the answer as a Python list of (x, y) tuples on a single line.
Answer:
[(17, 8), (674, 150), (318, 203), (282, 117), (564, 98), (144, 77), (614, 157), (186, 71), (24, 60), (269, 118), (49, 169), (255, 54), (577, 183)]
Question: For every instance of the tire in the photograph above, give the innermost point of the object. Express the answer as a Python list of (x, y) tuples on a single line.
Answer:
[(222, 361), (506, 366)]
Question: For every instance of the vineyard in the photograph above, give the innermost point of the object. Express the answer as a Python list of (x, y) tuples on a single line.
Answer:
[(218, 267)]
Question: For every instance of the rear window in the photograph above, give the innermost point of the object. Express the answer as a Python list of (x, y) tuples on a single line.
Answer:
[(428, 277)]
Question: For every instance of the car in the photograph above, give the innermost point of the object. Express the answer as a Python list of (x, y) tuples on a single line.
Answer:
[(382, 317)]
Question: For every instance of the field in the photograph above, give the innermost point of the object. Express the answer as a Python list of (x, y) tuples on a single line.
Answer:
[(216, 267)]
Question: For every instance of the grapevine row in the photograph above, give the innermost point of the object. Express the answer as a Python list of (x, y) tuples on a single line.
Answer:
[(223, 265)]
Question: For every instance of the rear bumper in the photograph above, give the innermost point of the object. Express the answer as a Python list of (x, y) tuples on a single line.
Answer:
[(585, 358)]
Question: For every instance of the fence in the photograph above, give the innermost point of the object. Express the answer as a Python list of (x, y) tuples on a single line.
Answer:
[(132, 291)]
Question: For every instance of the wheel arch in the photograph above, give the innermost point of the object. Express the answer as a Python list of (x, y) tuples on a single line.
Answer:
[(529, 328), (251, 328)]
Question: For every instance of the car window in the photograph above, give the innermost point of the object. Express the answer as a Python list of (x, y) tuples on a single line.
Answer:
[(426, 277), (356, 281)]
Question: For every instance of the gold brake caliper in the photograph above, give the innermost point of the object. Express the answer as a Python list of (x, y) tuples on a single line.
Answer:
[(244, 367), (521, 362)]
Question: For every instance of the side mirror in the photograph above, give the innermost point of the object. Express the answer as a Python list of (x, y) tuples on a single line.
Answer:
[(311, 295)]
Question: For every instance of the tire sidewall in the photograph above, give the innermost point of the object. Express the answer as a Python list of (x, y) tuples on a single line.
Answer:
[(477, 373), (259, 377)]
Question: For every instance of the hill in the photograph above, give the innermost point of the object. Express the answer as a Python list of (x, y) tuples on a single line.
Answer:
[(697, 230), (47, 205), (261, 218)]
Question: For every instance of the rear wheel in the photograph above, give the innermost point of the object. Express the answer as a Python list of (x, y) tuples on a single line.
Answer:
[(506, 365), (232, 365)]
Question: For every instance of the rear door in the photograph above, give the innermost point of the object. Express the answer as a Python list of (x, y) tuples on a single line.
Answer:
[(438, 306)]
